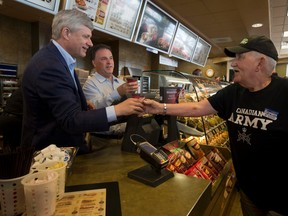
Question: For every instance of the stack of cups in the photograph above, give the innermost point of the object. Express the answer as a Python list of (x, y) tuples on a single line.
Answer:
[(12, 197), (40, 191), (57, 166)]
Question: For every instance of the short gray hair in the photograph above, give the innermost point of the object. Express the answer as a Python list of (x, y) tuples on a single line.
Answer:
[(72, 19), (270, 62)]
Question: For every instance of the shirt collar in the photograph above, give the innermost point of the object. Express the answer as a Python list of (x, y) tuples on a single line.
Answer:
[(71, 62), (101, 78)]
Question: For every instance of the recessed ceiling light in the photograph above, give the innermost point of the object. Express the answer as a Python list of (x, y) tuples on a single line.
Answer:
[(257, 25), (221, 40)]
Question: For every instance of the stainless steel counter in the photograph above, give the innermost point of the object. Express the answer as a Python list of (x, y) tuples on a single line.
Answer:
[(178, 196)]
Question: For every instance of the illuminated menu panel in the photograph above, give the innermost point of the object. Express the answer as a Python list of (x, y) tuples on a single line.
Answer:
[(156, 29), (50, 6), (184, 43), (201, 52), (115, 17)]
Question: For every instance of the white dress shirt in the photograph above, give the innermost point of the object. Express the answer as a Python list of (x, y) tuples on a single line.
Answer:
[(102, 93)]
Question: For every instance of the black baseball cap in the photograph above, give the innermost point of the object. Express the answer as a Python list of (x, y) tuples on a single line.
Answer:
[(259, 44)]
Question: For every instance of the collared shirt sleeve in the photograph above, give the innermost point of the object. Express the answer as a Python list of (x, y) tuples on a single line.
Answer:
[(111, 114)]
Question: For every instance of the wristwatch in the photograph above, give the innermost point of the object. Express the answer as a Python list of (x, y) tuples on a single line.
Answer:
[(210, 72)]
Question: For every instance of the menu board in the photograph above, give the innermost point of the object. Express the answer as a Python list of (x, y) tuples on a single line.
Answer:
[(184, 43), (156, 29), (122, 17), (51, 6), (201, 52), (115, 17), (86, 6), (101, 13)]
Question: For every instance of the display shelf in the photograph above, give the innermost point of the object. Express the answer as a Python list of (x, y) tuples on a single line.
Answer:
[(227, 155), (218, 135), (223, 186), (195, 88), (189, 130), (7, 87), (214, 128), (222, 196), (211, 135), (226, 144)]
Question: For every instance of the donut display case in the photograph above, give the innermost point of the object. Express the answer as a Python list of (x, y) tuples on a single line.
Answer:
[(208, 130)]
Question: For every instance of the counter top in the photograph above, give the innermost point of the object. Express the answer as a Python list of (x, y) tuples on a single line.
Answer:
[(180, 195)]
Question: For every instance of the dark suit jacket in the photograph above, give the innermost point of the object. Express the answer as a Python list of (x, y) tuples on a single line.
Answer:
[(54, 109)]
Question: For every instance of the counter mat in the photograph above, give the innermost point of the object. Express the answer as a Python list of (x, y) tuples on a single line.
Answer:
[(113, 204)]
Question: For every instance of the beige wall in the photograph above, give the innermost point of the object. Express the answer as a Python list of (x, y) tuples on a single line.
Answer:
[(15, 42), (219, 68), (281, 70), (133, 55)]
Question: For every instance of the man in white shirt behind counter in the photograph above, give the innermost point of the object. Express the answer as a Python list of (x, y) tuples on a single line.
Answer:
[(102, 88)]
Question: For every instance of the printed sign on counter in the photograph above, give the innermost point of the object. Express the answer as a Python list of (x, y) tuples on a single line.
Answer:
[(83, 203), (50, 6)]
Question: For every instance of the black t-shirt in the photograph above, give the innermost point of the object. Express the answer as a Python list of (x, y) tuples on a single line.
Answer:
[(258, 132)]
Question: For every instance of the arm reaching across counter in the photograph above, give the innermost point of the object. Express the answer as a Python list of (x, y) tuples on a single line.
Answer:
[(194, 109)]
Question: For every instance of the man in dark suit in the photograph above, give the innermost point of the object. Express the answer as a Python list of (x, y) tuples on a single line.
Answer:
[(55, 108)]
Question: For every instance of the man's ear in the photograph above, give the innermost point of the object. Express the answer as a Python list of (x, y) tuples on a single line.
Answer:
[(261, 64), (65, 33), (93, 63)]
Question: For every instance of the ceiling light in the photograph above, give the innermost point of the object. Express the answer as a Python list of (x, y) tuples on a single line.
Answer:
[(284, 45), (257, 25), (285, 34), (221, 40), (178, 80)]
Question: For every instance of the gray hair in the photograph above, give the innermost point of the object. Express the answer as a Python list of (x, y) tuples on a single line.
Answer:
[(270, 62), (72, 19)]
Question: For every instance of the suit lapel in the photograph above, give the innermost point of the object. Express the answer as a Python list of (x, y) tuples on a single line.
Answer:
[(80, 92), (79, 88)]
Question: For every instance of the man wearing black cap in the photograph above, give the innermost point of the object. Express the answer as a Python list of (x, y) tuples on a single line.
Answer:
[(255, 107)]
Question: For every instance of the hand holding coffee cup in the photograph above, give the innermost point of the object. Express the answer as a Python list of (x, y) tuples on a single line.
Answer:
[(131, 86), (132, 83)]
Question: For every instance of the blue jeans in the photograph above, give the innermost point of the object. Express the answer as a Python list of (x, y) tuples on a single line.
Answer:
[(250, 209)]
